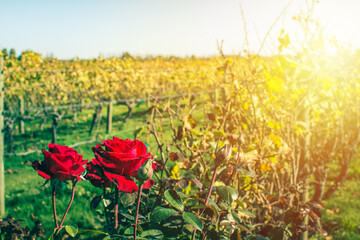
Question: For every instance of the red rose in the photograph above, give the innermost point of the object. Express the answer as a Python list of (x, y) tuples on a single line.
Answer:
[(60, 162), (120, 160), (95, 174)]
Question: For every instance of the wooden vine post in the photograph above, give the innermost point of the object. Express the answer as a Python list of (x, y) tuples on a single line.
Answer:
[(109, 117), (2, 176), (21, 121)]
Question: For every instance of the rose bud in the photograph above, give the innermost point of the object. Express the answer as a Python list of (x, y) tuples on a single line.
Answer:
[(145, 172), (223, 154)]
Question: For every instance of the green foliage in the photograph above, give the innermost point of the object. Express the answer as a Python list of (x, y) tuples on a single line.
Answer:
[(193, 220), (159, 214), (174, 199)]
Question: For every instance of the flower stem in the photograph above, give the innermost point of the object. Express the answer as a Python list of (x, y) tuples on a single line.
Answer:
[(54, 207), (137, 210), (71, 200), (208, 195), (116, 207), (211, 185)]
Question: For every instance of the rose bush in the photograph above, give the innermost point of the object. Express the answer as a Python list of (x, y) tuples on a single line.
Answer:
[(116, 165), (118, 161), (60, 162)]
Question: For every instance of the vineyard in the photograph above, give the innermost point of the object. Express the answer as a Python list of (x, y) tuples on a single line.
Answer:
[(50, 89), (244, 147)]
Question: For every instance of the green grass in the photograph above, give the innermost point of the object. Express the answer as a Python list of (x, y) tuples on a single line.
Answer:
[(342, 217)]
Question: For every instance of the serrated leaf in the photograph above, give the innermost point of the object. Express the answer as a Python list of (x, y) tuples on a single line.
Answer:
[(216, 214), (89, 232), (174, 199), (244, 228), (71, 230), (227, 193), (152, 234), (247, 213), (211, 202), (127, 199), (160, 213), (236, 217), (129, 233), (193, 220)]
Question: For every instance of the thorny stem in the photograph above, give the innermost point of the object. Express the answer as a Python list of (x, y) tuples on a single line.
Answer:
[(116, 207), (71, 200), (54, 207), (211, 185), (137, 210), (208, 195)]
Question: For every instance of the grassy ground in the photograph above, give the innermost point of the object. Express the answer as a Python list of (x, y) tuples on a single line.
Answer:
[(27, 199), (342, 217)]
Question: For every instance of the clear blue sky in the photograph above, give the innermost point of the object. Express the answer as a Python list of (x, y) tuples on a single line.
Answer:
[(87, 28)]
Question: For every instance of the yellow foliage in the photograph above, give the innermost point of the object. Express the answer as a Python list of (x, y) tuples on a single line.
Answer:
[(175, 172)]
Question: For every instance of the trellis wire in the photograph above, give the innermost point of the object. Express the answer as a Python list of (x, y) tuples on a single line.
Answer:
[(122, 101), (94, 139)]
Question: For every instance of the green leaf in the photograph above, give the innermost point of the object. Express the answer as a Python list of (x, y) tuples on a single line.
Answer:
[(174, 199), (160, 213), (90, 232), (247, 213), (211, 202), (128, 216), (198, 207), (216, 213), (227, 193), (152, 234), (236, 217), (127, 199), (129, 231), (193, 220), (71, 230), (244, 172), (244, 228)]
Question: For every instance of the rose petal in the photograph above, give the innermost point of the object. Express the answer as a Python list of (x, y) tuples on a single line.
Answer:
[(124, 184), (43, 174), (148, 184)]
